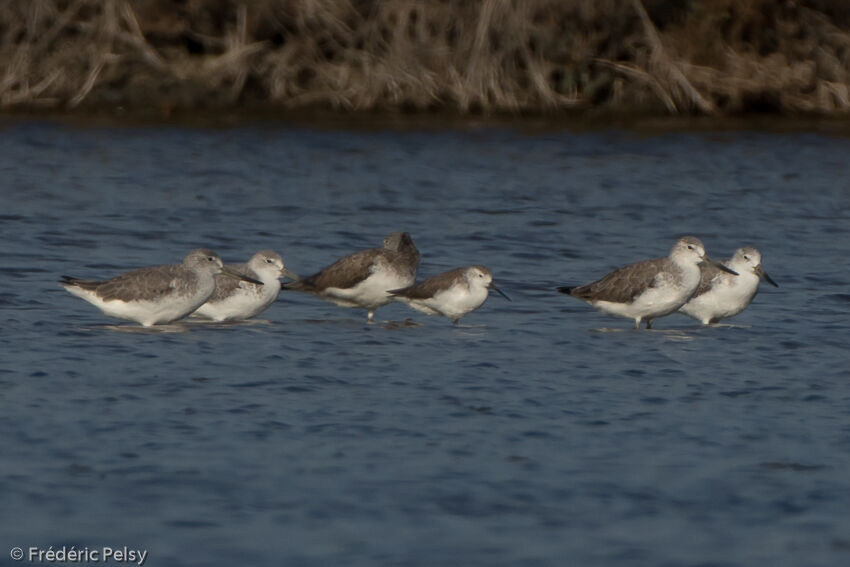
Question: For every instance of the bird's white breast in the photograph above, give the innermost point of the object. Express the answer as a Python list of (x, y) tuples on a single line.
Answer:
[(456, 301), (246, 301), (372, 291), (728, 296)]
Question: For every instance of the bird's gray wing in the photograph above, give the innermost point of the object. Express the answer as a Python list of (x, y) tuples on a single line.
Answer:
[(226, 285), (344, 273), (623, 284), (145, 284), (708, 274), (428, 288)]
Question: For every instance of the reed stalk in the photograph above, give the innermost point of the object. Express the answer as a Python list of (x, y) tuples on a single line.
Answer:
[(690, 56)]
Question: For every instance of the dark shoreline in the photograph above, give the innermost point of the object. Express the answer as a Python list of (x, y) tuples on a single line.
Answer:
[(325, 119)]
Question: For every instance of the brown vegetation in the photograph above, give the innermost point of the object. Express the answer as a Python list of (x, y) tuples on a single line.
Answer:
[(680, 56)]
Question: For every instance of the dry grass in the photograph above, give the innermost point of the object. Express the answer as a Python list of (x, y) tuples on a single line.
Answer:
[(678, 56)]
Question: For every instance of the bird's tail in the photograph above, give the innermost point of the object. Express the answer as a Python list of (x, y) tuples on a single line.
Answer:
[(301, 284), (68, 280)]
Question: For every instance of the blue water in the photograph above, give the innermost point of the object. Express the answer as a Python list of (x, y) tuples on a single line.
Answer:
[(538, 433)]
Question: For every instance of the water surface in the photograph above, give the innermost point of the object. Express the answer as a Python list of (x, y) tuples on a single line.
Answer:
[(539, 432)]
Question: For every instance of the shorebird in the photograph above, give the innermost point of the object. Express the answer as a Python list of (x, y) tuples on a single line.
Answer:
[(158, 294), (364, 278), (451, 294), (235, 299), (651, 288), (720, 295)]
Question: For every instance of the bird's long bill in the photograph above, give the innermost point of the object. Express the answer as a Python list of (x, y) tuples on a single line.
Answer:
[(763, 275), (234, 274), (284, 273), (500, 292), (718, 265)]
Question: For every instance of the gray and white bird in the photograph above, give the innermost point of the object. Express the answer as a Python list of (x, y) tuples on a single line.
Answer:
[(156, 295), (364, 279), (721, 295), (649, 289), (236, 299), (451, 294)]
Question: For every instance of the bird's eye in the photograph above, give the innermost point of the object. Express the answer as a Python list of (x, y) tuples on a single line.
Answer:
[(690, 246), (747, 258), (210, 258)]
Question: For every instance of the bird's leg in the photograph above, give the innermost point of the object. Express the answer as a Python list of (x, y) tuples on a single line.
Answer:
[(371, 317), (649, 323)]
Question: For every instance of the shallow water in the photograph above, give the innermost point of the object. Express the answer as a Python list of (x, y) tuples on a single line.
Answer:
[(539, 432)]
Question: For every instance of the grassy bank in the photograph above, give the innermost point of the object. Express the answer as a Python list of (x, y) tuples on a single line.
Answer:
[(714, 57)]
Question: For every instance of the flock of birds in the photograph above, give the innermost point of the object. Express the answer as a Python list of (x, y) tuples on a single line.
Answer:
[(687, 281)]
